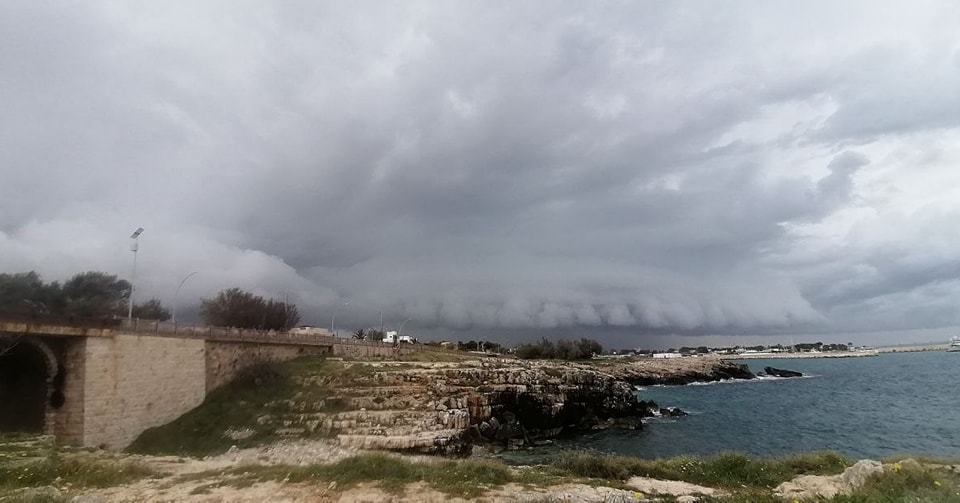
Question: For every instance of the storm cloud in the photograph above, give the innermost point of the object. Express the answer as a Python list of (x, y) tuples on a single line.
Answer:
[(688, 167)]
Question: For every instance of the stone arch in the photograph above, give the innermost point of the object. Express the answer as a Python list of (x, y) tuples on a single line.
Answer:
[(27, 370)]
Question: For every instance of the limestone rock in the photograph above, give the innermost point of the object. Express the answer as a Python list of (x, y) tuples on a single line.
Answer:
[(413, 406), (855, 476), (677, 488)]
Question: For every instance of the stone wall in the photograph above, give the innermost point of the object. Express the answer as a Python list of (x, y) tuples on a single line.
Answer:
[(68, 422), (225, 360), (370, 350), (132, 383)]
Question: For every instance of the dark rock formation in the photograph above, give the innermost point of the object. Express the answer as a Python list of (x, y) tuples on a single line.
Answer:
[(672, 412), (781, 372), (535, 410), (678, 371)]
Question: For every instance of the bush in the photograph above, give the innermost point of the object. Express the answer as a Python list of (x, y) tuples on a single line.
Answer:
[(584, 349), (236, 308), (726, 470)]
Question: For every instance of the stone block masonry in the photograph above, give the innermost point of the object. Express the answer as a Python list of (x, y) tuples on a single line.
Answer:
[(134, 382), (226, 360), (106, 381), (68, 421)]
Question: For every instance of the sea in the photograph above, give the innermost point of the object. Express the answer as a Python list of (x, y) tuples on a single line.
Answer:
[(867, 407)]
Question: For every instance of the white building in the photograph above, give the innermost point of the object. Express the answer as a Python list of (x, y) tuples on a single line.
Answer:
[(308, 330), (392, 337)]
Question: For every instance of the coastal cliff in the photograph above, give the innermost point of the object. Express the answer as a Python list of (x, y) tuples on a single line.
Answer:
[(446, 408), (426, 407)]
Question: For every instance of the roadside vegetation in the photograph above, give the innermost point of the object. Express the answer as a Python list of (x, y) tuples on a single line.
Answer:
[(234, 307), (91, 294), (545, 349)]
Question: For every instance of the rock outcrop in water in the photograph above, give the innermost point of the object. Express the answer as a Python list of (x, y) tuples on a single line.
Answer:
[(648, 372), (773, 371)]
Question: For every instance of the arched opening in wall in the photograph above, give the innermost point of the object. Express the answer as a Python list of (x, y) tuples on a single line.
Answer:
[(23, 388)]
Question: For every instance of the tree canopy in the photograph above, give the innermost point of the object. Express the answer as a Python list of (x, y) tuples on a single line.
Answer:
[(151, 310), (24, 293), (237, 308), (583, 349), (91, 294)]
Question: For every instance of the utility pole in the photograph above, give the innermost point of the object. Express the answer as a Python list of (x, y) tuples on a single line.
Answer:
[(134, 246), (175, 294)]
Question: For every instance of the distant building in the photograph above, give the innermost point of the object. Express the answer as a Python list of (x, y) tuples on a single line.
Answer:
[(308, 330), (667, 355)]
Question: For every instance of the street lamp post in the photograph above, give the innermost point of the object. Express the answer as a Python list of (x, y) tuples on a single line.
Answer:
[(175, 294), (134, 246), (334, 318)]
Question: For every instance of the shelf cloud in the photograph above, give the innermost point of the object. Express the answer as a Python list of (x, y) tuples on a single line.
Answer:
[(642, 167)]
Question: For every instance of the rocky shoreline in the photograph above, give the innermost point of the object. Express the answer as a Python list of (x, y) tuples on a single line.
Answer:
[(340, 409), (447, 408), (676, 371)]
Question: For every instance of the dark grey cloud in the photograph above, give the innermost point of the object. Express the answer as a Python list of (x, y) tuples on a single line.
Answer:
[(641, 168)]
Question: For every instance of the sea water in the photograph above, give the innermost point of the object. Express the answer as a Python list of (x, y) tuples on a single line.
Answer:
[(869, 407)]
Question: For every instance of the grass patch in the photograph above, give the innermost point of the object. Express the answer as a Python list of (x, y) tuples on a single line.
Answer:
[(239, 405), (731, 470), (467, 478), (35, 462), (235, 405), (908, 484), (431, 357)]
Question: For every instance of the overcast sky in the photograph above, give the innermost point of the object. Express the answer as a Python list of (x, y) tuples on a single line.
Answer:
[(627, 169)]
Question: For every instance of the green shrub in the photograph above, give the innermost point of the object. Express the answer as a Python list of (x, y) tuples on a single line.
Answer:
[(723, 470), (584, 349), (896, 485), (467, 478)]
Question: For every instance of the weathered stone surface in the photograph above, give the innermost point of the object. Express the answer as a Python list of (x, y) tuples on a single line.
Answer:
[(413, 407), (675, 488), (815, 487), (447, 407), (648, 371)]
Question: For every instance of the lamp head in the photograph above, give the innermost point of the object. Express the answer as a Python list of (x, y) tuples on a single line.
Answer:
[(136, 233)]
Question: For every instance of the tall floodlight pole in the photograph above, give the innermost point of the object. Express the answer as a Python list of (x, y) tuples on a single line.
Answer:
[(334, 318), (134, 246), (175, 294)]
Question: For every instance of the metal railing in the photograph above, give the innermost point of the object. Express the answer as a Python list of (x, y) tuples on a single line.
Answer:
[(55, 325), (170, 329)]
